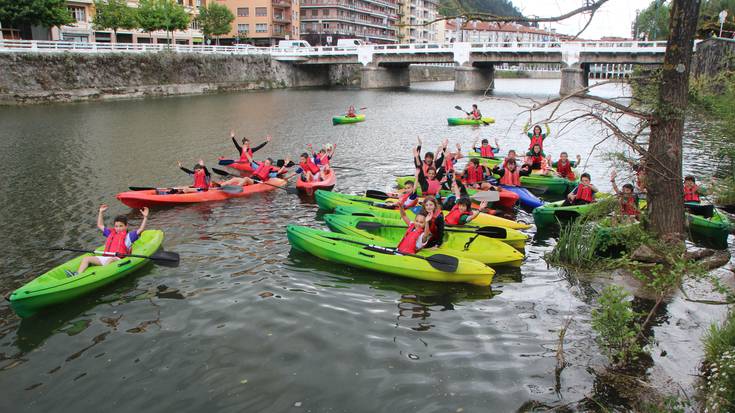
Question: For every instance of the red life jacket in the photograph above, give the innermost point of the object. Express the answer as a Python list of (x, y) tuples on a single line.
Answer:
[(565, 169), (475, 114), (475, 174), (262, 172), (244, 158), (408, 203), (628, 206), (425, 167), (511, 178), (534, 159), (690, 193), (408, 243), (435, 235), (455, 215), (309, 166), (585, 193), (433, 188), (200, 179), (324, 160), (449, 164), (536, 140), (115, 243), (487, 151)]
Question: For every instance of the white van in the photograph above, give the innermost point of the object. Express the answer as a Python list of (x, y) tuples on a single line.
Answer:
[(350, 42), (290, 44)]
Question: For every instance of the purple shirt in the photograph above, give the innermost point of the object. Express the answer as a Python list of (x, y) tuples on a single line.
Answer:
[(130, 237)]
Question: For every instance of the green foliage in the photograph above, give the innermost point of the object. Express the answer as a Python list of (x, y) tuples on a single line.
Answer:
[(576, 246), (215, 19), (161, 15), (46, 13), (718, 388), (709, 18), (653, 21), (113, 15), (497, 7), (670, 404), (615, 324)]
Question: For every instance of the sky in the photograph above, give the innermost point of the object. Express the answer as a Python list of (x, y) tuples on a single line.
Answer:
[(614, 18)]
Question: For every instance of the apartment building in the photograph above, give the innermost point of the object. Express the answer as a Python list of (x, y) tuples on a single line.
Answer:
[(83, 31), (417, 22), (486, 32), (323, 22), (263, 22)]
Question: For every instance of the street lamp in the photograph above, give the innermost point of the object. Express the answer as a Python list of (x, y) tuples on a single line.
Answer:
[(321, 29)]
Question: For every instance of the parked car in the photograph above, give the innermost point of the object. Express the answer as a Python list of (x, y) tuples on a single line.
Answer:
[(291, 44)]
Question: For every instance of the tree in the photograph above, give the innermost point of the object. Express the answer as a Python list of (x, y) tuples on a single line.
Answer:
[(653, 21), (113, 15), (46, 13), (215, 20), (161, 15), (709, 22)]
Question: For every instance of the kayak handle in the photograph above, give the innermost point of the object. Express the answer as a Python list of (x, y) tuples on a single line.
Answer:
[(367, 255)]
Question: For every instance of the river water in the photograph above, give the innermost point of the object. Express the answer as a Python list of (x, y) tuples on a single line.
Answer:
[(244, 323)]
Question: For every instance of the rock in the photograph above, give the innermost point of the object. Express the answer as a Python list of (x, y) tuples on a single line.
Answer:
[(698, 254), (717, 260), (644, 253)]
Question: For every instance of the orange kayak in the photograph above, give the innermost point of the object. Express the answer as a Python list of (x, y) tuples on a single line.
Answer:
[(309, 187), (149, 198)]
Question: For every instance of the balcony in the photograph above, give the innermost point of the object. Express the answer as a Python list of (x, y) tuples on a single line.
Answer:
[(281, 19), (281, 3)]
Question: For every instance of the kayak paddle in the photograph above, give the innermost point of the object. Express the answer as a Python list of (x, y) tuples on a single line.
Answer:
[(166, 258), (225, 162), (491, 232), (231, 189), (345, 168), (141, 188), (468, 114), (489, 196), (441, 262), (371, 193)]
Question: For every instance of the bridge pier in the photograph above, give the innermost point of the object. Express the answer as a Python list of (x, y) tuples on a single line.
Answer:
[(573, 78), (469, 78), (378, 77)]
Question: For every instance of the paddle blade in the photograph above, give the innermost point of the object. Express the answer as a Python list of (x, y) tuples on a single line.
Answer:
[(231, 189), (166, 258), (221, 172), (459, 108), (281, 162), (537, 191), (489, 196), (140, 188), (367, 225), (225, 162), (371, 193), (441, 262), (493, 232)]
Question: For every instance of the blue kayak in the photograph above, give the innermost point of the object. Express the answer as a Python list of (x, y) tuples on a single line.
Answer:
[(525, 197)]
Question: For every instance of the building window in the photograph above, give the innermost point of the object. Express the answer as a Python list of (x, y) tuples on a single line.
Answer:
[(199, 3), (261, 28), (314, 13), (261, 11), (79, 13), (243, 28), (243, 11), (194, 25), (325, 12)]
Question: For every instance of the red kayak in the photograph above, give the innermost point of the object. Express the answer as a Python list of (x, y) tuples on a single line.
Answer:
[(149, 198), (309, 187), (507, 199)]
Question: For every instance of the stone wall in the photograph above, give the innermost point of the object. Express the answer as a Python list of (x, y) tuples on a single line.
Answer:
[(423, 73), (713, 56)]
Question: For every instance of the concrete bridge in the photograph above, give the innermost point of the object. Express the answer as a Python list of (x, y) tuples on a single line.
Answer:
[(387, 65)]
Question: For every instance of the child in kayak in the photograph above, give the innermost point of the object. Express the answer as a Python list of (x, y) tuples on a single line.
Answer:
[(429, 160), (462, 213), (119, 241), (417, 234), (510, 174), (536, 158), (246, 152), (564, 166), (691, 190), (264, 171), (202, 178), (309, 170), (474, 113), (435, 221), (351, 112), (431, 182), (485, 150), (323, 158), (537, 137), (406, 197), (629, 210), (584, 193), (451, 159), (474, 175)]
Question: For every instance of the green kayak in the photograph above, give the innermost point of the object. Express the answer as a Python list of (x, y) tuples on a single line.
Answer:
[(389, 232), (328, 201), (54, 287), (350, 250), (341, 120), (712, 231), (513, 237), (489, 162), (551, 212), (548, 185), (465, 121)]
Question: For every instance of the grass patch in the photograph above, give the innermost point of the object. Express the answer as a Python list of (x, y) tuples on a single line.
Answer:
[(717, 392)]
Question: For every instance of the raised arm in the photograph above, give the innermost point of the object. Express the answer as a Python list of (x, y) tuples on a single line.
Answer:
[(459, 155), (188, 171), (267, 139), (476, 212), (237, 145), (143, 212), (402, 209), (548, 131), (101, 218), (612, 181), (525, 128)]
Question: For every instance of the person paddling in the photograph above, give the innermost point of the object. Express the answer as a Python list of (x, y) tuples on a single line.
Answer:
[(246, 152), (536, 137), (119, 241), (628, 201), (485, 150), (584, 193), (417, 235), (351, 113), (474, 113), (201, 175)]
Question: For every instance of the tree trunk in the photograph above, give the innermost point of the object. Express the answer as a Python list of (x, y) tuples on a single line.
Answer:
[(664, 159)]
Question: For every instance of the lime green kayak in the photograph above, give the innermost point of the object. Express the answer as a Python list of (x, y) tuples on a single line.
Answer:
[(349, 250), (552, 212), (341, 120), (712, 231), (328, 201), (489, 162), (514, 238), (465, 121), (54, 287), (389, 233)]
